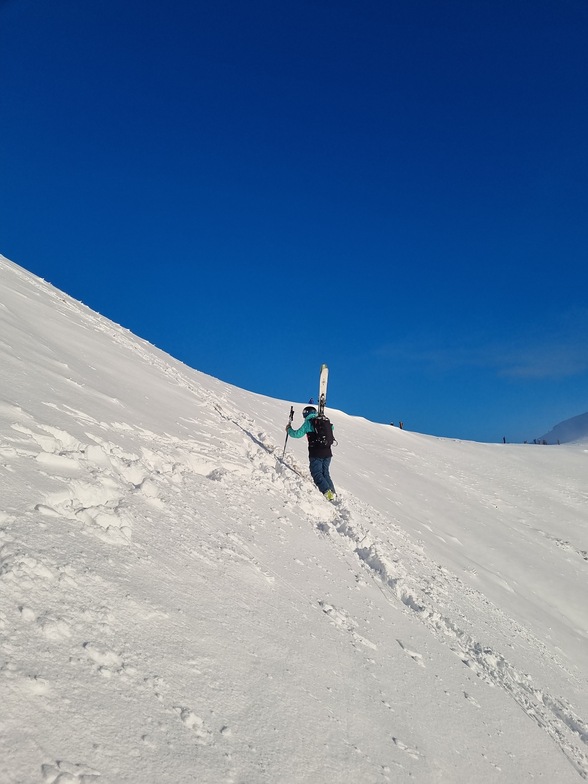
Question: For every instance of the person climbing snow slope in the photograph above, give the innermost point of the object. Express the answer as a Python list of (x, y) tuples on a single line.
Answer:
[(319, 432)]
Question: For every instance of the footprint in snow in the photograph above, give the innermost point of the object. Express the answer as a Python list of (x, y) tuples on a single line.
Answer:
[(25, 682), (201, 732), (410, 751), (417, 657), (471, 699), (64, 772), (342, 620), (53, 627), (107, 660)]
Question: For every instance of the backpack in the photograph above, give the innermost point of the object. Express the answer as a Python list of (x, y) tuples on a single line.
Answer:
[(323, 431)]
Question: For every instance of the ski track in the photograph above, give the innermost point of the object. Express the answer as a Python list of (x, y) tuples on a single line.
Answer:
[(91, 480)]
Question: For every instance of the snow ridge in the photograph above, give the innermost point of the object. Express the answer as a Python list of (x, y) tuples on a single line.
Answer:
[(177, 602)]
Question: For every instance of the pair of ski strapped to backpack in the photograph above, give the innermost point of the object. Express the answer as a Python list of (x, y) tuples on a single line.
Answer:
[(322, 428)]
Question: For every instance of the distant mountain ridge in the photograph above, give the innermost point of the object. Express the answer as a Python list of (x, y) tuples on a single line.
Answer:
[(574, 429)]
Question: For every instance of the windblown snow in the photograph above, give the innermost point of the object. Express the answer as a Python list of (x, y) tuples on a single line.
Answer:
[(178, 604), (574, 429)]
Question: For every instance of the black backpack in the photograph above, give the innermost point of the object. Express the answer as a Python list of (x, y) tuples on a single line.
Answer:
[(323, 431)]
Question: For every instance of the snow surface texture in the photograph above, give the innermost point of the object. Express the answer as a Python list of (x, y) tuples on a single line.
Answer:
[(178, 604)]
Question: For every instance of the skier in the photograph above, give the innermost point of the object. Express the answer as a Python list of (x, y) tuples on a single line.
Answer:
[(319, 452)]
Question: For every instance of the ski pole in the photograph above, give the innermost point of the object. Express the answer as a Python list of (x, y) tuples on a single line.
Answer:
[(289, 422)]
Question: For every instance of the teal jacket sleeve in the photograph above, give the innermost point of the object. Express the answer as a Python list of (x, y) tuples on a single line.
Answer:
[(305, 428)]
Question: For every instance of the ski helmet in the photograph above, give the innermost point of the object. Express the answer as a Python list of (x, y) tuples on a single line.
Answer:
[(308, 410)]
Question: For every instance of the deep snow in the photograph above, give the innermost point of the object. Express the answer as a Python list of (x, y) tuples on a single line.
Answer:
[(178, 605)]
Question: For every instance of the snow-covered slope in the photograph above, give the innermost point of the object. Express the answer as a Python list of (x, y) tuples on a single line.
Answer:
[(177, 605), (570, 430)]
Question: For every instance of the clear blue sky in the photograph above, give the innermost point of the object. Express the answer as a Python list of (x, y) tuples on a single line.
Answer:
[(399, 189)]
